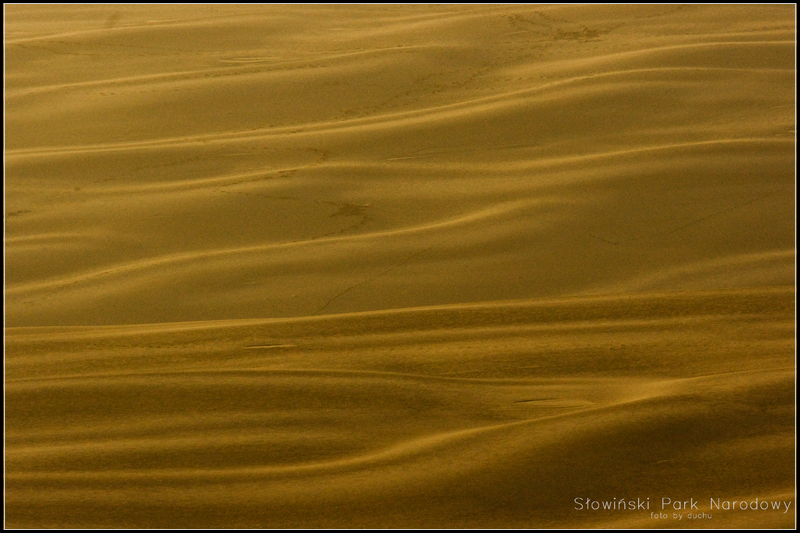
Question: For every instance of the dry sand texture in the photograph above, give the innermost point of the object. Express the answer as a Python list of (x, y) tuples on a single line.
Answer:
[(398, 266)]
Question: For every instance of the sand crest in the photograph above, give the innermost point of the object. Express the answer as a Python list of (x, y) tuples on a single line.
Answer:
[(399, 266)]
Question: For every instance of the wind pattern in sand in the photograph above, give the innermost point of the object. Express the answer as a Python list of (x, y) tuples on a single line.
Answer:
[(397, 266)]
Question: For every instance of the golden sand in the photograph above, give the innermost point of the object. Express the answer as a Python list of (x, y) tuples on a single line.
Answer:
[(400, 266)]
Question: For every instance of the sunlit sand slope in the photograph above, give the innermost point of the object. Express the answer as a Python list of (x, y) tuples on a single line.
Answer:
[(194, 163), (399, 266), (496, 415)]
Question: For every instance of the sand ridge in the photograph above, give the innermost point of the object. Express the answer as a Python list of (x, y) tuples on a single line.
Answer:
[(397, 266), (365, 419)]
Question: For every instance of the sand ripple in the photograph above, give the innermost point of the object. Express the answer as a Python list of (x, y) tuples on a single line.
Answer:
[(397, 266)]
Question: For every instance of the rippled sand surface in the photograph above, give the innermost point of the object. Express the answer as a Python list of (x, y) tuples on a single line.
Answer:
[(399, 266)]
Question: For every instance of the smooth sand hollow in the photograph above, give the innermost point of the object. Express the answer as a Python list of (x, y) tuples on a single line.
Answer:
[(399, 266)]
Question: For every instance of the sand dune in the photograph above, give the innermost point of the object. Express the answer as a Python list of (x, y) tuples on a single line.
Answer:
[(482, 415), (398, 266)]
